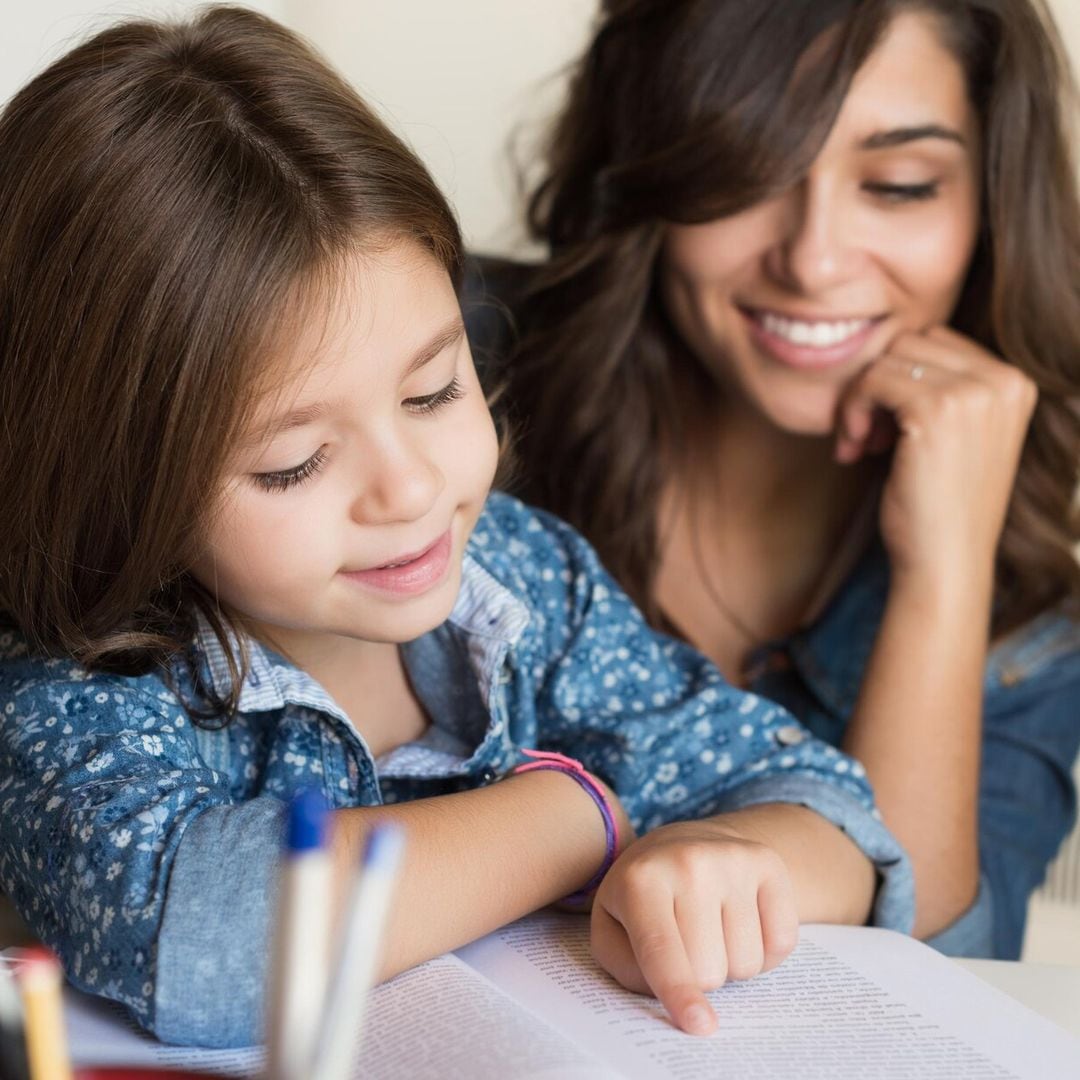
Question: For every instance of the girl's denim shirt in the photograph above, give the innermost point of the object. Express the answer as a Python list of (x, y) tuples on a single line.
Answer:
[(1031, 736), (144, 848)]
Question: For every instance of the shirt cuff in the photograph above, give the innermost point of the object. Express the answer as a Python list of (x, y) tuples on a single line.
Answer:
[(211, 961), (972, 934), (894, 901)]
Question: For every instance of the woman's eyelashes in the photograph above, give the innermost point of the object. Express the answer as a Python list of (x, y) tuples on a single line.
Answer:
[(903, 193), (283, 479)]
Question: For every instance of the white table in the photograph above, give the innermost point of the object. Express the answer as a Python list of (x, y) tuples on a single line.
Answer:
[(1051, 990)]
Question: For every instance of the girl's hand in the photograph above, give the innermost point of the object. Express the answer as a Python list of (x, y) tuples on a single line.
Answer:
[(687, 907), (958, 417)]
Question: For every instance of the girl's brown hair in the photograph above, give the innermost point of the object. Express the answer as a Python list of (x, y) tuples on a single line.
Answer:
[(688, 110), (166, 191)]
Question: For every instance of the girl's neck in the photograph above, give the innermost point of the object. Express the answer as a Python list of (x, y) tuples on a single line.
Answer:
[(367, 679)]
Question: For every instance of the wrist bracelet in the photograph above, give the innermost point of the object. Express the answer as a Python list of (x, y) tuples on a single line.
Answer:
[(561, 763)]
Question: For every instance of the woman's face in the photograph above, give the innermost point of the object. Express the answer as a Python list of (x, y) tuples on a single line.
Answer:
[(787, 301)]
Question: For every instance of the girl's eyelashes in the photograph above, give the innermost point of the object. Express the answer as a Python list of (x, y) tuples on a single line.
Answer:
[(287, 478), (429, 403), (284, 479), (901, 193)]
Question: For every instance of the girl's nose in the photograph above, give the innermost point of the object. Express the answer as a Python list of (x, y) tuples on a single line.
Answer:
[(399, 483)]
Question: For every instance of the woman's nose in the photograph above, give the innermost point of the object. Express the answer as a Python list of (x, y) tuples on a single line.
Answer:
[(814, 249)]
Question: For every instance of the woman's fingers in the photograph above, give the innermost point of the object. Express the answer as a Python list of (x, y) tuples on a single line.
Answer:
[(919, 368)]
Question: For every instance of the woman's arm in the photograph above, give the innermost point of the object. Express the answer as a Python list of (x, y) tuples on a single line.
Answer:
[(960, 417), (917, 729)]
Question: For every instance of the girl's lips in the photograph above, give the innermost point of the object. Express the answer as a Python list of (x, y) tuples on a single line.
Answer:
[(807, 357), (412, 576)]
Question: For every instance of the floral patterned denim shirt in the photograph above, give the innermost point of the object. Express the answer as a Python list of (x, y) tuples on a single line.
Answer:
[(144, 848), (1031, 737)]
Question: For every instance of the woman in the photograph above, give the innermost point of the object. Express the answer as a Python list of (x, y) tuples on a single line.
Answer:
[(803, 365)]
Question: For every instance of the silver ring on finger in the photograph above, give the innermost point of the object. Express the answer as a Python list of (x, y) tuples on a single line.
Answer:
[(917, 372)]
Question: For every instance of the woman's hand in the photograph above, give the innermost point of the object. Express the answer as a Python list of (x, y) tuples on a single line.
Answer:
[(958, 416), (689, 906)]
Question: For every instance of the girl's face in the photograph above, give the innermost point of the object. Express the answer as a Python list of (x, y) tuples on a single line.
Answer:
[(786, 301), (345, 511)]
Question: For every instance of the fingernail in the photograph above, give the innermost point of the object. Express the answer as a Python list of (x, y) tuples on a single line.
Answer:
[(698, 1020)]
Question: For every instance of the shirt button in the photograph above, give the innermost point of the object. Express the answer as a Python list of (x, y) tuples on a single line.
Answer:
[(791, 735), (487, 775)]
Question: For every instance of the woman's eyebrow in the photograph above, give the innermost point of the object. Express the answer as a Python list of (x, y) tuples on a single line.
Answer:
[(883, 140)]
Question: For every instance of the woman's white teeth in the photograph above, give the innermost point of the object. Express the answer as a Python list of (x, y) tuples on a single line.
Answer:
[(815, 335)]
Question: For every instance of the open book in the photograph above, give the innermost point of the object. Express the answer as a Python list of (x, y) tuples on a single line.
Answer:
[(528, 1001)]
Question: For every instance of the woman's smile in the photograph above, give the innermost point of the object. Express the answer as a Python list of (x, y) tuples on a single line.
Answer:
[(810, 343)]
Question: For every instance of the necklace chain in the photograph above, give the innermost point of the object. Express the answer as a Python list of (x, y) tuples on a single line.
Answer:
[(747, 632)]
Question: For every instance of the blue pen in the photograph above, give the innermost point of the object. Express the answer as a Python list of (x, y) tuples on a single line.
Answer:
[(301, 942), (360, 952)]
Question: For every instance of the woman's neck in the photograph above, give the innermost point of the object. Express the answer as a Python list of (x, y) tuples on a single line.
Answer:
[(763, 476), (751, 522)]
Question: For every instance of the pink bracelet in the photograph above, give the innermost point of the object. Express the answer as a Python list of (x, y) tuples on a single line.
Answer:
[(561, 763)]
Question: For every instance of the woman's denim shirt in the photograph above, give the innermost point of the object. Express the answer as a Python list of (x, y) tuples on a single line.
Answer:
[(1031, 735), (144, 849)]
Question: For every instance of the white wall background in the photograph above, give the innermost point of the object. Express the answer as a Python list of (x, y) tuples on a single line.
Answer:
[(456, 77)]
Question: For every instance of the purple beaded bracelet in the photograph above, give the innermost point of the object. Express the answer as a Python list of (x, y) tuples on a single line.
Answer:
[(561, 763)]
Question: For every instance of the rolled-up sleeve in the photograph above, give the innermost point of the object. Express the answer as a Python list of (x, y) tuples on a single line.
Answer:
[(123, 851), (214, 940)]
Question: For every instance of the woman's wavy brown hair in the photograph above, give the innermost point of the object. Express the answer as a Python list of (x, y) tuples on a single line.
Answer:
[(167, 193), (688, 110)]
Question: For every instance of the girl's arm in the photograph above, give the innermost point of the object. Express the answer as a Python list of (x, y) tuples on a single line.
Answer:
[(961, 416), (479, 859)]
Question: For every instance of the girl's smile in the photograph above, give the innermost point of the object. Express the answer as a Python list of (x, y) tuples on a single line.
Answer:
[(407, 575)]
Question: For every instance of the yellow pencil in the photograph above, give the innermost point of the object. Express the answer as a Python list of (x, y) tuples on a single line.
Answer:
[(40, 980)]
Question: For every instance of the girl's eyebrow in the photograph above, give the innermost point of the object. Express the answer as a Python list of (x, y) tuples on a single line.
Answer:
[(883, 140), (450, 334)]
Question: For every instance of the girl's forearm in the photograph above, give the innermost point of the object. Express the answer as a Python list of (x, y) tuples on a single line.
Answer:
[(477, 859), (917, 729), (833, 880)]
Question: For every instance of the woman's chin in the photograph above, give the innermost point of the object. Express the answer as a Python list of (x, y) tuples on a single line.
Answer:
[(808, 415)]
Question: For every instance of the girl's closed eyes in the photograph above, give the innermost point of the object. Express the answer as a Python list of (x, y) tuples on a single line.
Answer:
[(283, 479)]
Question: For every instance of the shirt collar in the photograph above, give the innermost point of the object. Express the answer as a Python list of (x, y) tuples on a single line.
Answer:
[(485, 610)]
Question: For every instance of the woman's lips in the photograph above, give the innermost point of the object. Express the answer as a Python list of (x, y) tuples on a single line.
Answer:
[(809, 344), (411, 575)]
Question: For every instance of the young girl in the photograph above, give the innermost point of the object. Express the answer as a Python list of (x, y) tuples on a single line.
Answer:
[(249, 548)]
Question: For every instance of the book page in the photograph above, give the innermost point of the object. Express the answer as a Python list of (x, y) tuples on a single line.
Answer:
[(849, 1002), (443, 1020), (102, 1033), (438, 1020)]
